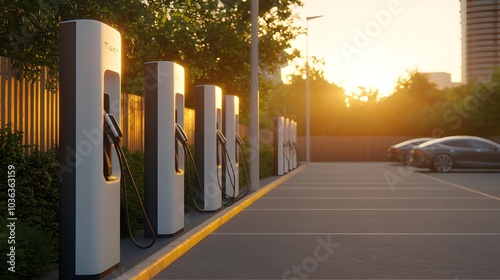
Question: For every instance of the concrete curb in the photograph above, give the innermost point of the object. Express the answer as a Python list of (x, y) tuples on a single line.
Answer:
[(157, 262)]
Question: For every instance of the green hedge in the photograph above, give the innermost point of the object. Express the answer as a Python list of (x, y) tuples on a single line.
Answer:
[(36, 208)]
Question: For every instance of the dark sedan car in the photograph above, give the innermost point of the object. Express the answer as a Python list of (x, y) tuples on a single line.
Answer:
[(445, 153), (401, 152)]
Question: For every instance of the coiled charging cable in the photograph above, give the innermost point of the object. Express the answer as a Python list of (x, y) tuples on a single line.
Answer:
[(228, 165), (182, 138), (233, 198), (115, 136)]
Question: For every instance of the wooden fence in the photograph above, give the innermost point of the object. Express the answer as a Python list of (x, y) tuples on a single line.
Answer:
[(352, 148), (132, 122), (29, 106), (34, 110)]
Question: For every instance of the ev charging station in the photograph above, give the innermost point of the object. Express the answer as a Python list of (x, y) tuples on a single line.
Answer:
[(279, 160), (294, 144), (285, 145), (286, 148), (291, 150), (164, 154), (90, 69), (208, 146), (230, 120)]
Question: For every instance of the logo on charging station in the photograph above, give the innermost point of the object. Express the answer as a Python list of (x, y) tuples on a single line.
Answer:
[(110, 47)]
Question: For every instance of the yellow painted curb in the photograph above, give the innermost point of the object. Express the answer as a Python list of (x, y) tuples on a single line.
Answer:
[(159, 261)]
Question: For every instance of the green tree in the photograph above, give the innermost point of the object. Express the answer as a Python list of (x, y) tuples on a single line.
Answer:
[(404, 110), (30, 35), (211, 39), (326, 99), (472, 108)]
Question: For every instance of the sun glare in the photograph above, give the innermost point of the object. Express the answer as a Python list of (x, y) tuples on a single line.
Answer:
[(381, 82), (361, 49), (356, 83)]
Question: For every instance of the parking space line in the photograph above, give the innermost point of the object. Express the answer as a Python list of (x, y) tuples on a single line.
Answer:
[(459, 186), (367, 209), (364, 188), (374, 198), (363, 233)]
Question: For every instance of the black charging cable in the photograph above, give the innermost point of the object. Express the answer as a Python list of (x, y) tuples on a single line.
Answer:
[(124, 159), (286, 156), (246, 190), (245, 168), (197, 175), (187, 151), (182, 138), (228, 165), (124, 164), (291, 155)]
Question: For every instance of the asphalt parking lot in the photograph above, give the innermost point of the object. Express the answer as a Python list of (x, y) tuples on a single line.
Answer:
[(358, 221)]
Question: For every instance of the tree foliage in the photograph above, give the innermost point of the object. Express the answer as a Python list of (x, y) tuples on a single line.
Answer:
[(416, 108), (211, 39)]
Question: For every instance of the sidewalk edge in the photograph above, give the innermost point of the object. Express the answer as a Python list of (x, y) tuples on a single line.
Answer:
[(157, 262)]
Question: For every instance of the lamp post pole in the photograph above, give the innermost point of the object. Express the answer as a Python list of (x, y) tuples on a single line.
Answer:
[(254, 97), (308, 105)]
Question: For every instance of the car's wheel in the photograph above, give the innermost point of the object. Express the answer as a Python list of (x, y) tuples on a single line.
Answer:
[(442, 163), (406, 159)]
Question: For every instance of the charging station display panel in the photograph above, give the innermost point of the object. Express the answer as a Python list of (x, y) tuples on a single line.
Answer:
[(90, 69), (164, 154)]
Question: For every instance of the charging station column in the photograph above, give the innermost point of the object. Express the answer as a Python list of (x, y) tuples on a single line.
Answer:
[(278, 145), (230, 120), (90, 69), (294, 144), (208, 151), (286, 148), (291, 150), (164, 155)]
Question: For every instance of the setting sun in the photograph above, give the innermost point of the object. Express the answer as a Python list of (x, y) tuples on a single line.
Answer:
[(380, 82), (371, 44)]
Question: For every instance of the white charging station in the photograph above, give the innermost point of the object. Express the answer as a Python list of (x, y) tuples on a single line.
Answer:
[(286, 148), (230, 121), (208, 150), (294, 144), (163, 154), (279, 160), (289, 144), (90, 69)]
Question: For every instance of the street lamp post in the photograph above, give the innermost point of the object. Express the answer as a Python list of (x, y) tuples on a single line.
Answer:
[(254, 98), (308, 108)]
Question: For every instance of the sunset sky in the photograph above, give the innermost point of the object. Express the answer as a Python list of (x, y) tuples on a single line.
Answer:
[(371, 43)]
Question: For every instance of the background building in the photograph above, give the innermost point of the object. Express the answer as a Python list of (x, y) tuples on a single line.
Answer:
[(441, 79), (480, 21)]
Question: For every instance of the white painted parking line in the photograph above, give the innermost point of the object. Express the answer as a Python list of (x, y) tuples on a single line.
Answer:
[(363, 233), (367, 209), (460, 186), (309, 183), (364, 188), (372, 198), (358, 183)]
